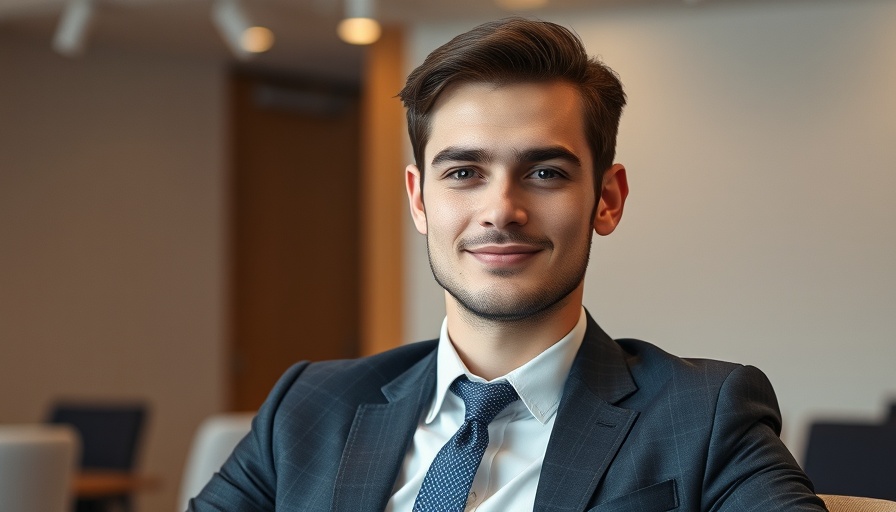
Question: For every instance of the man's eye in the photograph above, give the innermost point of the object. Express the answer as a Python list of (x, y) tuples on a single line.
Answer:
[(546, 174), (461, 174)]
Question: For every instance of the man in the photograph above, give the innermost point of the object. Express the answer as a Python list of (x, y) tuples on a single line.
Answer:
[(514, 129)]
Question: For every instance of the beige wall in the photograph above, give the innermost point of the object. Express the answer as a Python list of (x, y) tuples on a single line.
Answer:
[(761, 228), (113, 240)]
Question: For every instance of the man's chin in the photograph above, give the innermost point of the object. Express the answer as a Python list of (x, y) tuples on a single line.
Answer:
[(511, 306)]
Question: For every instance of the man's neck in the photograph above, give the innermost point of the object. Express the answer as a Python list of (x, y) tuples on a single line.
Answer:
[(492, 348)]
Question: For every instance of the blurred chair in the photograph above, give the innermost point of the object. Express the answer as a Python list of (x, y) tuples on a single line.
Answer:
[(855, 504), (110, 433), (36, 467), (215, 439), (853, 459), (110, 438)]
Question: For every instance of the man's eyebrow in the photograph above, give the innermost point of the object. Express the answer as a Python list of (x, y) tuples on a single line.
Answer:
[(548, 153), (461, 154)]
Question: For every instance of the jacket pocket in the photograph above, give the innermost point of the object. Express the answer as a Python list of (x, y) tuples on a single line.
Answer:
[(653, 498)]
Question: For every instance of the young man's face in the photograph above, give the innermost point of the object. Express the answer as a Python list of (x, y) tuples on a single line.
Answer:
[(508, 197)]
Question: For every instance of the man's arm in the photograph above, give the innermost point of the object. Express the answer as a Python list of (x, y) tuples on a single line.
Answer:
[(748, 467), (247, 481)]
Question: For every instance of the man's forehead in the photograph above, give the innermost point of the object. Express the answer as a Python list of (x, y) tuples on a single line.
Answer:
[(533, 114)]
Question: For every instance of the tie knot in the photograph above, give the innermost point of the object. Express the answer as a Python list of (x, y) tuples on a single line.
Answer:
[(483, 401)]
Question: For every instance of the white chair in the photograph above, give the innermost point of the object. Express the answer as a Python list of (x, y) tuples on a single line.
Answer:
[(37, 463), (215, 439)]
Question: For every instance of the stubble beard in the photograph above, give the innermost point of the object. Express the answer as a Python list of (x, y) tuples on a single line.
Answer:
[(495, 306)]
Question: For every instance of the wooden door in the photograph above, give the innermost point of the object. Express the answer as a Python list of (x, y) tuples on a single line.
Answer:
[(295, 233)]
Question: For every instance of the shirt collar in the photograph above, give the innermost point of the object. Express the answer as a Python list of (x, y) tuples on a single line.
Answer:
[(539, 382)]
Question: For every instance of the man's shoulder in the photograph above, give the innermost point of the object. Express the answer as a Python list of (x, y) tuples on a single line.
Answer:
[(643, 353), (388, 364), (647, 364), (653, 367), (358, 379)]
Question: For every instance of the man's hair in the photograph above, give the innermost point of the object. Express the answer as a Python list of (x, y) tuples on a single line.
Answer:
[(518, 50)]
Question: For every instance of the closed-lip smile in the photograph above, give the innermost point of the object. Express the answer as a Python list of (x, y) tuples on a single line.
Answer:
[(503, 254)]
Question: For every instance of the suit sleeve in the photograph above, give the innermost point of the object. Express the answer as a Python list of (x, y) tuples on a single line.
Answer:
[(247, 481), (748, 467)]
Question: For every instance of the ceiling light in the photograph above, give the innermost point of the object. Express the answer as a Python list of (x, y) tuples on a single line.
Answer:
[(241, 36), (71, 33), (521, 5), (257, 39), (359, 30), (359, 25)]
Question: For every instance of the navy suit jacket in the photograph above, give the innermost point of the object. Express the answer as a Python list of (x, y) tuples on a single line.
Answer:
[(637, 429)]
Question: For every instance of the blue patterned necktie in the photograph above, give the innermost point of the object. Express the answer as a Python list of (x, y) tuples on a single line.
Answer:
[(448, 480)]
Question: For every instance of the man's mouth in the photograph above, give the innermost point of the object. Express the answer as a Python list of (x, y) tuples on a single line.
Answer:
[(504, 254)]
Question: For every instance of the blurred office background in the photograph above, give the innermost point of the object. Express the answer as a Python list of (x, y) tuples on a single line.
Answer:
[(178, 225)]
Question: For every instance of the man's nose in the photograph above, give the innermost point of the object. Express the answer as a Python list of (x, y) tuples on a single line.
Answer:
[(503, 205)]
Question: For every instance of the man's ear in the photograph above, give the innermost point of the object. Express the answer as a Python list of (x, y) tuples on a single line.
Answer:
[(414, 186), (612, 200)]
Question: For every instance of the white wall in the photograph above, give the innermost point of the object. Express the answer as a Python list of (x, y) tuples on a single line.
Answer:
[(112, 240), (760, 141)]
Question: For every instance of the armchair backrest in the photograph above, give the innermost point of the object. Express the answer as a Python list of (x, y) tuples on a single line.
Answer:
[(110, 433), (852, 459), (856, 504), (214, 441), (37, 463)]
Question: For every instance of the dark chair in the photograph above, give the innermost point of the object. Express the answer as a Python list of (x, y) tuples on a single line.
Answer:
[(857, 459), (110, 438)]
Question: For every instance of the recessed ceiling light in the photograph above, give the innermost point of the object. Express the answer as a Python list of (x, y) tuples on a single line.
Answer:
[(359, 30), (360, 25), (521, 5), (257, 39), (241, 36)]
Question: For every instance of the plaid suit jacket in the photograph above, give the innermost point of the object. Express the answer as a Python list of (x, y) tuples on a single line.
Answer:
[(637, 430)]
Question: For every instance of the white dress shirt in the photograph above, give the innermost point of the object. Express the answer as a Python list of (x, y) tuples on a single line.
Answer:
[(507, 477)]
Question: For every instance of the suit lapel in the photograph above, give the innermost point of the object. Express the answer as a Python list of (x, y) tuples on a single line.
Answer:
[(589, 428), (587, 433), (378, 440)]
